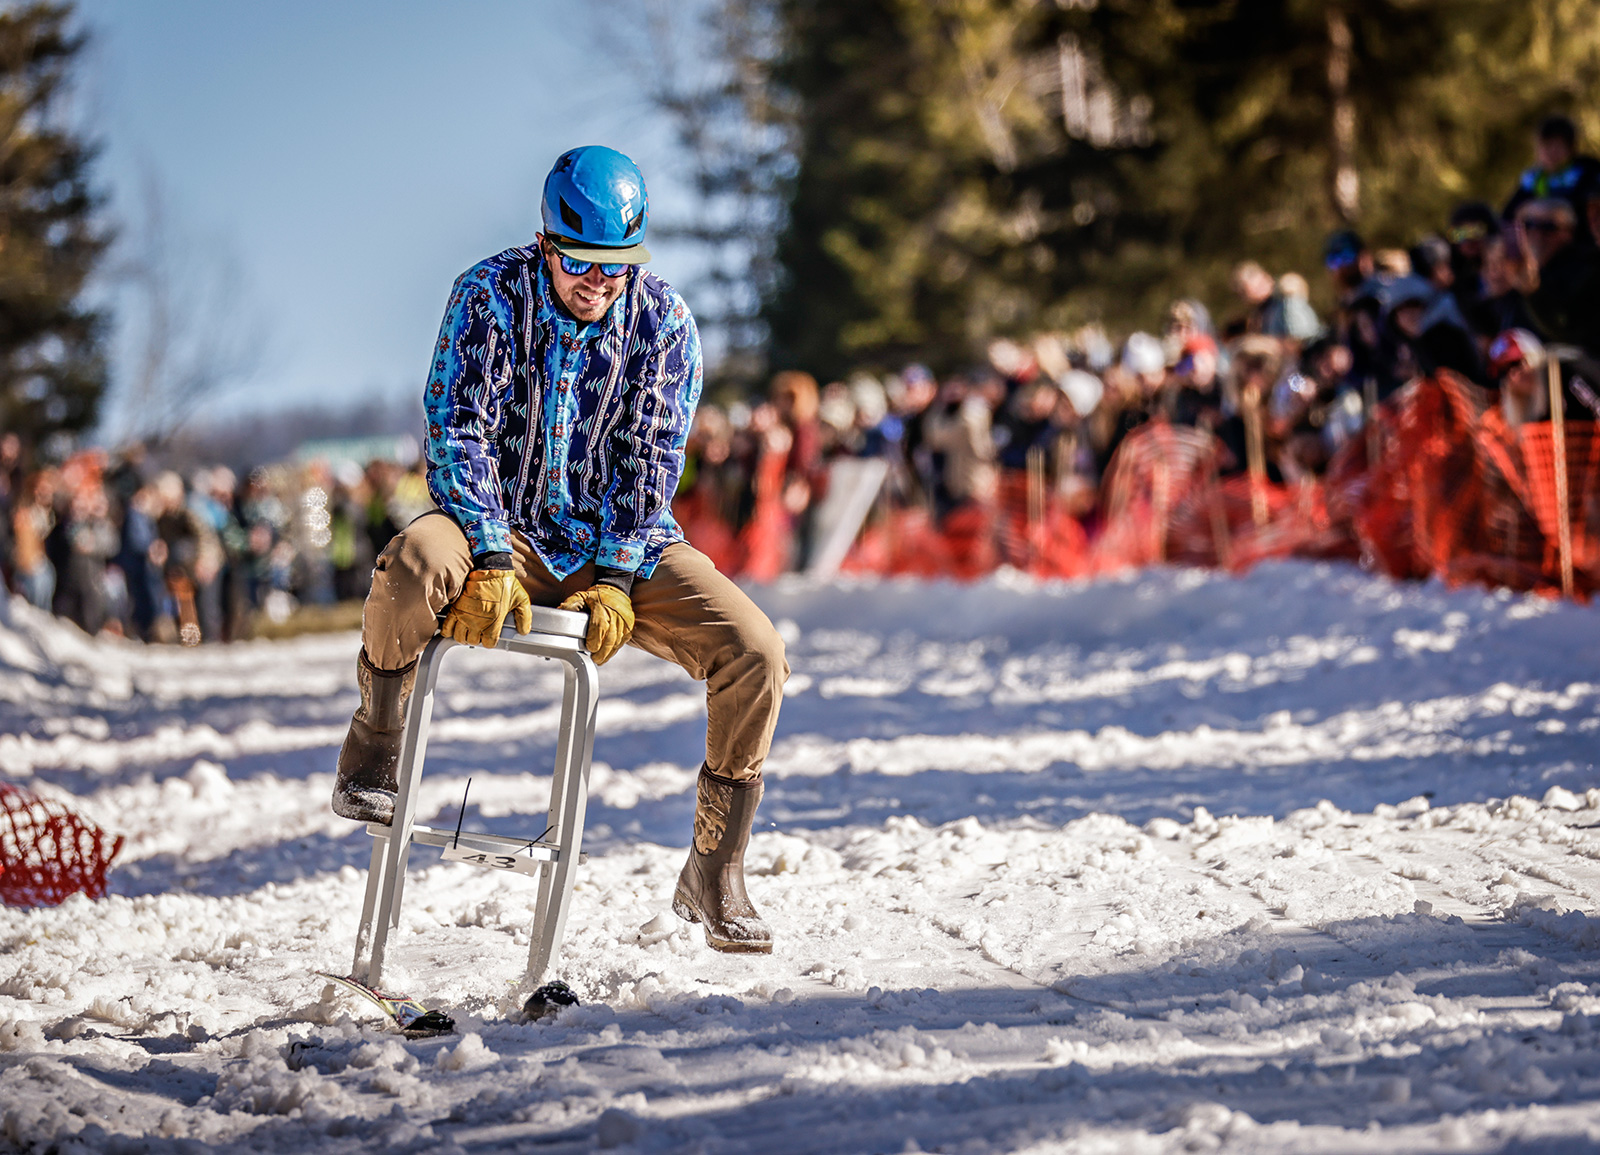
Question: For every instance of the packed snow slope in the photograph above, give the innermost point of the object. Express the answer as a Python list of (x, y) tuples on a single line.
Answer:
[(1303, 861)]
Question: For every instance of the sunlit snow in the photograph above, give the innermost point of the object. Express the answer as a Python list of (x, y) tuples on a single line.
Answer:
[(1304, 860)]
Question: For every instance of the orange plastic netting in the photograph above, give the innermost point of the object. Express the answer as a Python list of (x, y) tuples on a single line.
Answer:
[(1439, 483), (47, 852)]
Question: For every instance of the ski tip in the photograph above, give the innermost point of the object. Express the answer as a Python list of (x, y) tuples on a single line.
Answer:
[(411, 1017)]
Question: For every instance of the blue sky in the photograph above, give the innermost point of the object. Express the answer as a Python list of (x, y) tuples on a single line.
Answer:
[(351, 157)]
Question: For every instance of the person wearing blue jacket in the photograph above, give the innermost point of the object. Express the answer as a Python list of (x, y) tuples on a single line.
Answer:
[(558, 403)]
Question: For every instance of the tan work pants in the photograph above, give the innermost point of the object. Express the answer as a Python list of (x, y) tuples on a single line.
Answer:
[(686, 612)]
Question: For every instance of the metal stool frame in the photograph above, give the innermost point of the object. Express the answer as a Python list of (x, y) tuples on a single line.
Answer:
[(558, 635)]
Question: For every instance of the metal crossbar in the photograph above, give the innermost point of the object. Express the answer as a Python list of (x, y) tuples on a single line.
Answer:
[(553, 856)]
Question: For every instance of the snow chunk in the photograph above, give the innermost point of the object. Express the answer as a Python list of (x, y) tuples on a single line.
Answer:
[(1164, 828), (470, 1054), (1557, 798), (260, 1086), (21, 1035), (209, 781), (616, 1129)]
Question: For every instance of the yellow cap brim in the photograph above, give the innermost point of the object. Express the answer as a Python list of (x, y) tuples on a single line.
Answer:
[(602, 254)]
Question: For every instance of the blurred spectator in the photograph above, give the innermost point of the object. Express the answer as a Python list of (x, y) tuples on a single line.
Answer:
[(1272, 311), (836, 414), (350, 545), (1318, 411), (1014, 363), (191, 556), (867, 436), (1027, 428), (1502, 305), (1185, 318), (960, 428), (89, 542), (917, 394), (1472, 226), (10, 481), (384, 520), (1446, 334), (1349, 265), (1257, 363), (1193, 396), (796, 398), (32, 519), (141, 564), (1426, 333), (1560, 273), (1516, 362), (1558, 172)]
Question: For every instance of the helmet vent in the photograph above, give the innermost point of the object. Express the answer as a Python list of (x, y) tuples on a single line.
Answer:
[(570, 217), (633, 225)]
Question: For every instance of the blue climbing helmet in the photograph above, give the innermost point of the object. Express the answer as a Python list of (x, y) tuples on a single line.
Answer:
[(595, 207)]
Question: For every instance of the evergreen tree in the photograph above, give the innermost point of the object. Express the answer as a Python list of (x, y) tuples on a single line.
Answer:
[(920, 219), (1275, 122), (966, 168), (52, 368)]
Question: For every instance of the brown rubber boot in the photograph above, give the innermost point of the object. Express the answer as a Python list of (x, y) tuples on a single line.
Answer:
[(711, 887), (366, 785)]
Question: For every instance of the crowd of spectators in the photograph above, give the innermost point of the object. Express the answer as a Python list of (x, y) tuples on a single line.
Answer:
[(119, 546), (1482, 297)]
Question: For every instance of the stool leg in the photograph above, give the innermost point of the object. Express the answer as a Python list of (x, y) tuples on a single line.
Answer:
[(569, 796), (413, 749), (358, 968)]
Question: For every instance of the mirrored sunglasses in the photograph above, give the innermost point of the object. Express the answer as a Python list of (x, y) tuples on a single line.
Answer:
[(580, 268)]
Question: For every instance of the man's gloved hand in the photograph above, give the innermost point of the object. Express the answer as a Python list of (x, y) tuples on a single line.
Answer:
[(480, 610), (610, 619)]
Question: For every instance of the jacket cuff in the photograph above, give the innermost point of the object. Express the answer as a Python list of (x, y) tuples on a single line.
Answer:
[(488, 536), (621, 578), (624, 555), (494, 559)]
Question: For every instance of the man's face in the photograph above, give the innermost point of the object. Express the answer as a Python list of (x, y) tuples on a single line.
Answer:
[(1547, 234), (587, 298), (1201, 371), (1256, 287), (1553, 154), (1408, 319), (1333, 365), (1521, 380), (1349, 271)]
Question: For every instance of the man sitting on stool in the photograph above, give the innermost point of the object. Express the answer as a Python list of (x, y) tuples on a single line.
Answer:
[(563, 385)]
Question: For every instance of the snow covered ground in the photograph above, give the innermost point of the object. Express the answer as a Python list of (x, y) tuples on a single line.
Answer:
[(1304, 861)]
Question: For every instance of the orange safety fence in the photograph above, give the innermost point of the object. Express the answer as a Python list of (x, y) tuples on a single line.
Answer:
[(48, 853), (1438, 484)]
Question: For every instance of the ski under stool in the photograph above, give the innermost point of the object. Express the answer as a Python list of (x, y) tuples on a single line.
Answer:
[(551, 857)]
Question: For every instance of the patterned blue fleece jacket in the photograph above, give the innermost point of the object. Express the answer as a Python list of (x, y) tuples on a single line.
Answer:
[(570, 434)]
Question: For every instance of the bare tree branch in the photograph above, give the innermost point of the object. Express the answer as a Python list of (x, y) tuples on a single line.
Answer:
[(195, 333)]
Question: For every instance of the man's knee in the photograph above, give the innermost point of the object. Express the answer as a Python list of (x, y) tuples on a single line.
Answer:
[(773, 655), (430, 546), (760, 651)]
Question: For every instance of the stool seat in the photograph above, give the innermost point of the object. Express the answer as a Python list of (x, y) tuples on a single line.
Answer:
[(551, 856), (551, 621)]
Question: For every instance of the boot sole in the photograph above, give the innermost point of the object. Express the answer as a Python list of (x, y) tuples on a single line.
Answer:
[(352, 805), (684, 908)]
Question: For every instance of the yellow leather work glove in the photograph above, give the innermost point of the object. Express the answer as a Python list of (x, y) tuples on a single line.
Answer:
[(610, 619), (480, 610)]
